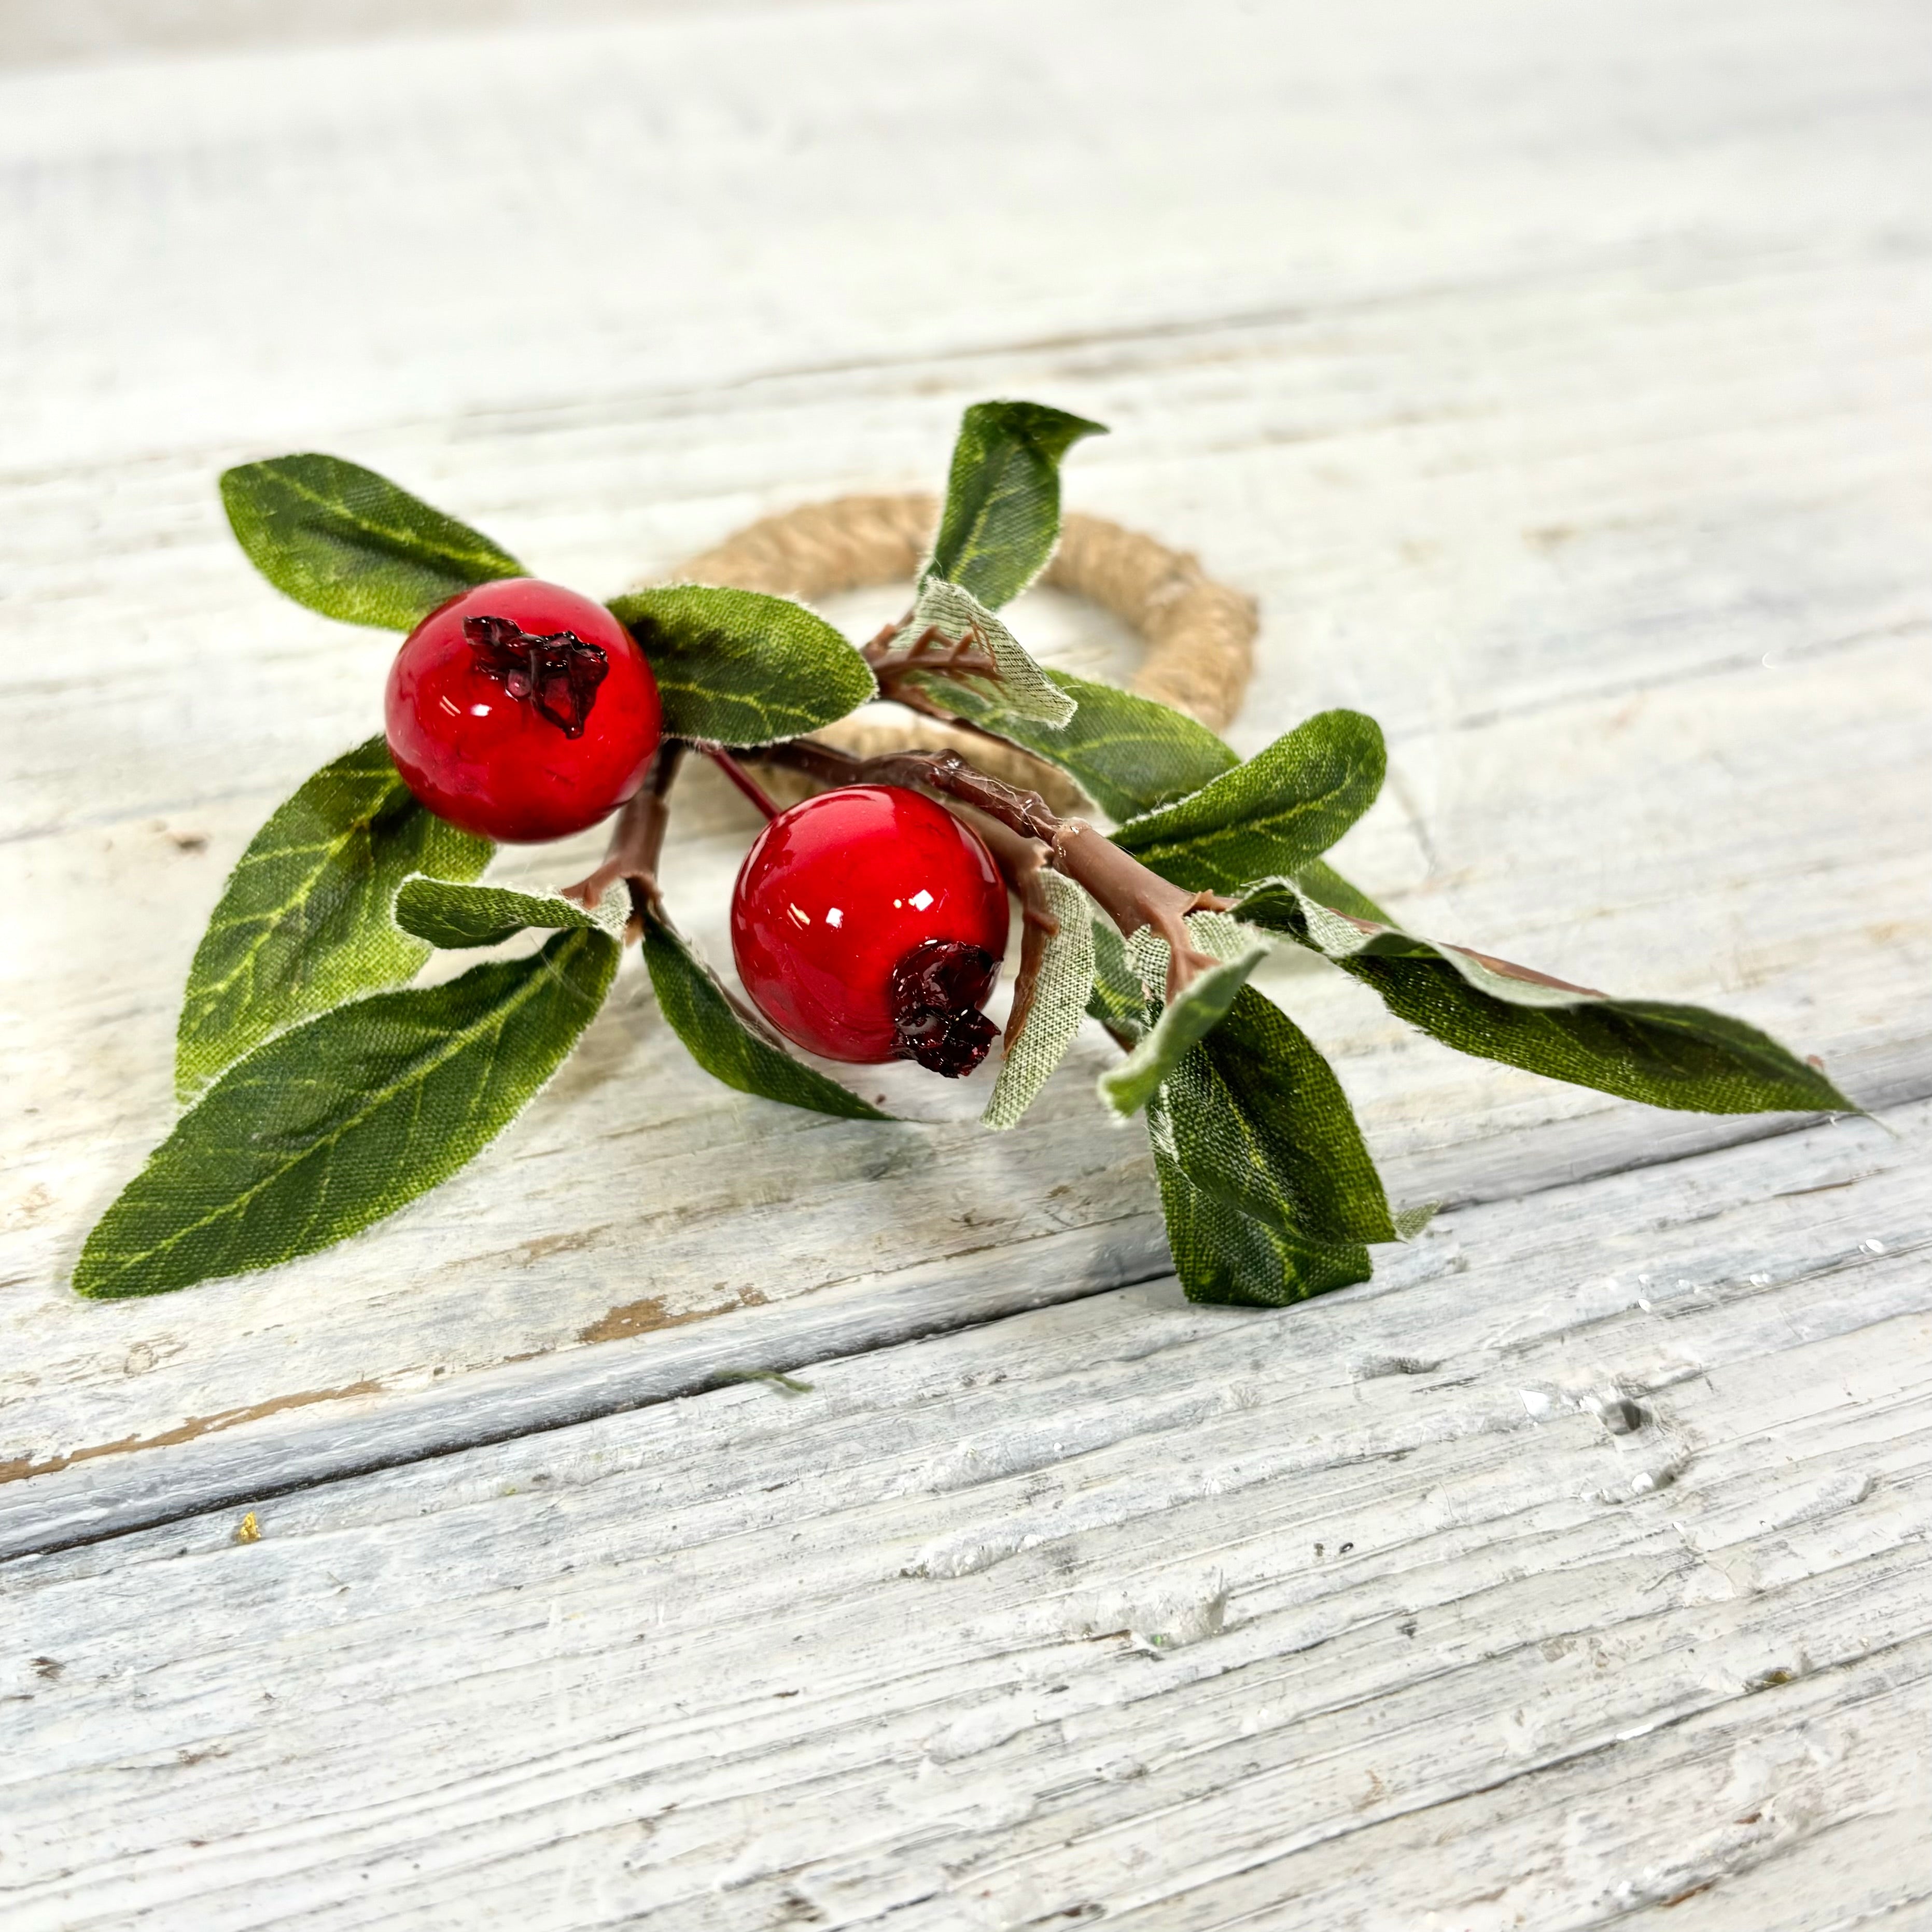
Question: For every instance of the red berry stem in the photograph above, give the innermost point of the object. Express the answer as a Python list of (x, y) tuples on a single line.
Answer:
[(637, 839), (1130, 895), (739, 777)]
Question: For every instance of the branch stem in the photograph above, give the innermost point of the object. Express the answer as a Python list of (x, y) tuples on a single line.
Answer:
[(739, 777), (1130, 895), (637, 840)]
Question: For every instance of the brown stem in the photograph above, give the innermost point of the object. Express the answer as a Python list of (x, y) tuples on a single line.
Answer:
[(637, 841), (876, 651), (1022, 861), (1130, 895), (739, 777)]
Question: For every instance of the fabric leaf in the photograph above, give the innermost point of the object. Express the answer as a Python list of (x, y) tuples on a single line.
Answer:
[(1129, 754), (349, 544), (1023, 688), (1118, 1001), (1284, 807), (1062, 983), (1181, 1024), (1258, 1120), (344, 1119), (1650, 1050), (1223, 1255), (740, 668), (1002, 515), (455, 916), (723, 1042), (303, 922)]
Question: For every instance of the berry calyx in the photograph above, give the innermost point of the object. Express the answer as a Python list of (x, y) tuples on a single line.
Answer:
[(521, 711), (868, 924)]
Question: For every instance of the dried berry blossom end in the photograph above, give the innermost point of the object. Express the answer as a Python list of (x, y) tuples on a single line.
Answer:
[(560, 672), (936, 991)]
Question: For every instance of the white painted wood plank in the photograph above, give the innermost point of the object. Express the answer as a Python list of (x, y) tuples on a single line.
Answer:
[(1532, 445), (1384, 1611)]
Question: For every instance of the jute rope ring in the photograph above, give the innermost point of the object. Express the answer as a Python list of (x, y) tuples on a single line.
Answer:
[(1199, 634)]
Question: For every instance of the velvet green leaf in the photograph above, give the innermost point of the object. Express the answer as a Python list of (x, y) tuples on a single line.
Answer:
[(1284, 807), (455, 916), (1650, 1050), (739, 667), (1259, 1120), (1128, 754), (348, 543), (1002, 514), (1063, 982), (303, 922), (344, 1119), (1023, 688), (724, 1042), (1223, 1255)]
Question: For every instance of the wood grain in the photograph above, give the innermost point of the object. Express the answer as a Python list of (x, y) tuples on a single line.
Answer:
[(1579, 1566), (1555, 379)]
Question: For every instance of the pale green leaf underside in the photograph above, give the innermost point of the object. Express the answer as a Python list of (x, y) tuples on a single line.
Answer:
[(1129, 754), (303, 922), (1022, 688), (1668, 1055), (1002, 515), (740, 668), (1061, 988), (455, 916), (349, 544), (723, 1043), (344, 1119), (1274, 814)]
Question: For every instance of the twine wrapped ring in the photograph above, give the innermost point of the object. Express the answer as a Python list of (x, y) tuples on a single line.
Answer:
[(1200, 635)]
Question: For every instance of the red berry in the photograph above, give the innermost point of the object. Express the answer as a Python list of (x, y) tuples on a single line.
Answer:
[(868, 924), (521, 711)]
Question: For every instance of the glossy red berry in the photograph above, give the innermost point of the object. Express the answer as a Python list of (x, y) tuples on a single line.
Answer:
[(868, 924), (521, 711)]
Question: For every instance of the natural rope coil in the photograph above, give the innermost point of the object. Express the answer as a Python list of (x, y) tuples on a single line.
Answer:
[(1200, 635)]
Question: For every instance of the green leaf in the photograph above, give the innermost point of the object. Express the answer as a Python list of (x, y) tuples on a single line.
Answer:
[(1223, 1255), (1062, 980), (1650, 1050), (1119, 1000), (303, 922), (1002, 514), (1284, 807), (455, 916), (348, 543), (1128, 754), (720, 1040), (1321, 880), (344, 1119), (1203, 1004), (739, 667), (1023, 688), (1258, 1120)]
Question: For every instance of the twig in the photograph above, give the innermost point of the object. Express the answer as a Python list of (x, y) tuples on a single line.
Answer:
[(739, 776), (637, 841), (1129, 894)]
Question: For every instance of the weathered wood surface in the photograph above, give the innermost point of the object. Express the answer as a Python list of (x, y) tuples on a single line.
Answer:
[(1557, 381), (1578, 1570)]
